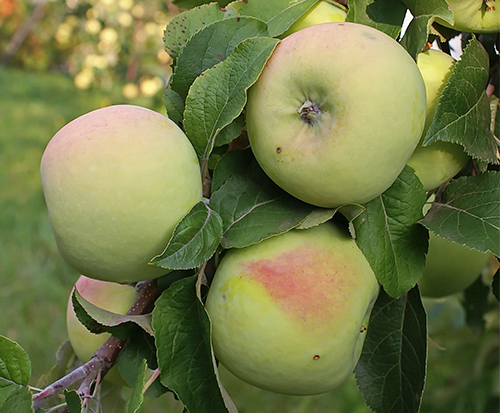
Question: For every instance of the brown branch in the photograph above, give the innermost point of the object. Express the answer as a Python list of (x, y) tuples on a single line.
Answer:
[(106, 356)]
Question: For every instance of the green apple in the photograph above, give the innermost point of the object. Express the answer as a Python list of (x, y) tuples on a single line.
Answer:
[(440, 161), (290, 313), (116, 182), (474, 16), (113, 297), (336, 113), (450, 267), (323, 11)]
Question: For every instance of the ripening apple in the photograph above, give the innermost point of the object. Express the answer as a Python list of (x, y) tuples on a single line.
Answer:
[(324, 11), (450, 267), (116, 182), (474, 16), (290, 313), (110, 296), (336, 113), (440, 161)]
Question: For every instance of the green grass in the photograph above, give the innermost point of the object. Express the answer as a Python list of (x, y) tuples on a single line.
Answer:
[(36, 282)]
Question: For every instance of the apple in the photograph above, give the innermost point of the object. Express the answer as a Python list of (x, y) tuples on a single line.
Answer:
[(474, 16), (323, 11), (440, 161), (290, 313), (116, 182), (113, 297), (336, 113), (450, 267)]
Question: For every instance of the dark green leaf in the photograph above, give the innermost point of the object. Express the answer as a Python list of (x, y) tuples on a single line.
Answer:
[(136, 399), (231, 131), (251, 206), (415, 37), (390, 236), (73, 401), (182, 333), (468, 212), (184, 25), (436, 8), (19, 401), (194, 241), (187, 4), (218, 96), (475, 303), (15, 364), (98, 320), (463, 112), (174, 105), (231, 163), (278, 14), (495, 285), (210, 46), (385, 15), (391, 370)]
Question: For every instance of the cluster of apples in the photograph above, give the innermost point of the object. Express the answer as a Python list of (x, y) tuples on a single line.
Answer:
[(290, 313)]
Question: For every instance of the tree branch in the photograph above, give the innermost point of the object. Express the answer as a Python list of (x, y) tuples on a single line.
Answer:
[(106, 356)]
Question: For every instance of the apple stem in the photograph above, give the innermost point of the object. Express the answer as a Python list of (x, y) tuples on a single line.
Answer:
[(310, 112)]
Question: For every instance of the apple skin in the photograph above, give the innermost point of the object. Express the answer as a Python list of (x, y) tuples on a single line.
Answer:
[(322, 12), (289, 314), (116, 298), (474, 16), (450, 267), (440, 161), (116, 182), (321, 121)]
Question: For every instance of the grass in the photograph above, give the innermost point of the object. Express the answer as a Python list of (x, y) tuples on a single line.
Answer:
[(36, 282)]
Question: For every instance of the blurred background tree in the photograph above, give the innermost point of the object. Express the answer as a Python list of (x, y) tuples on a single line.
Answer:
[(99, 43)]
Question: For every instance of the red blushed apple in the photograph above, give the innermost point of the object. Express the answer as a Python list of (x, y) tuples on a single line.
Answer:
[(290, 313)]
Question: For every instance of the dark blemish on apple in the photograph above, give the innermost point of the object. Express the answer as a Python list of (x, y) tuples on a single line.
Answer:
[(278, 150), (316, 357), (363, 329)]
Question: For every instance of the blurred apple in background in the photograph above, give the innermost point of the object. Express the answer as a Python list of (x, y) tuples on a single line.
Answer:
[(440, 161), (474, 16), (290, 313)]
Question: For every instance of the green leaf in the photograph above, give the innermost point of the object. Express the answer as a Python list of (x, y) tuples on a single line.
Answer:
[(391, 370), (415, 37), (278, 14), (385, 15), (187, 4), (317, 217), (15, 364), (185, 358), (218, 96), (251, 206), (468, 212), (98, 320), (495, 285), (194, 241), (210, 46), (184, 25), (19, 401), (136, 399), (174, 104), (430, 8), (463, 112), (73, 401), (390, 236), (475, 304), (231, 131), (6, 388)]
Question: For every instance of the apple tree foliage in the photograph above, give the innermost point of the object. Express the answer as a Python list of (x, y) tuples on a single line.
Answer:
[(218, 52)]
